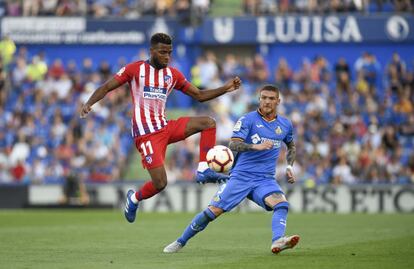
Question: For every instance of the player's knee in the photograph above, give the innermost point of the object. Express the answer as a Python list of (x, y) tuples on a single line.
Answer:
[(209, 123), (282, 205), (216, 211), (160, 184), (274, 199)]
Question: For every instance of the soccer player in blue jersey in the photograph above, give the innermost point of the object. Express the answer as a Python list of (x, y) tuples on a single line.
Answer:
[(257, 138)]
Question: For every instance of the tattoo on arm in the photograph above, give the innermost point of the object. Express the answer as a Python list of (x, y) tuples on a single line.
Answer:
[(291, 153), (239, 146)]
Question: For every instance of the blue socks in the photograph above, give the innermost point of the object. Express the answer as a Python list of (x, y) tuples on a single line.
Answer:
[(279, 220), (201, 221), (198, 224)]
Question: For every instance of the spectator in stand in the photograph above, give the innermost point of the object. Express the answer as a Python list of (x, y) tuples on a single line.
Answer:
[(398, 66), (342, 172), (31, 8), (283, 74), (48, 7), (2, 83), (37, 70), (208, 69), (257, 71), (7, 50)]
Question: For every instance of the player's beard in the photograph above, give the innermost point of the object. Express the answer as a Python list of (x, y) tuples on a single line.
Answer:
[(267, 110), (158, 64)]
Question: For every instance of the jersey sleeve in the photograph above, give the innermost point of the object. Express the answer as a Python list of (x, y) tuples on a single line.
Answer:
[(241, 128), (181, 83), (289, 136), (125, 74)]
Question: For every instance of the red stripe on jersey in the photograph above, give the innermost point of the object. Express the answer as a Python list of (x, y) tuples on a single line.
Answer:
[(156, 85), (154, 103), (142, 102), (160, 105), (161, 109), (135, 130)]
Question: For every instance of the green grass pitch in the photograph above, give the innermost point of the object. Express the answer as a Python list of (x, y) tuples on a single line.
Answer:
[(103, 239)]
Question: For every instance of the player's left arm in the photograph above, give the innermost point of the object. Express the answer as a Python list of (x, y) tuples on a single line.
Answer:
[(290, 157), (291, 154), (208, 94), (98, 94)]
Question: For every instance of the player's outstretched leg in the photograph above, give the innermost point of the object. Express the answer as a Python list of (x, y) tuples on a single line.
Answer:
[(279, 218), (208, 141), (131, 206), (198, 224), (285, 242), (147, 190), (173, 247), (207, 175)]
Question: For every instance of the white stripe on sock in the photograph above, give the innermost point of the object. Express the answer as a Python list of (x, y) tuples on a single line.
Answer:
[(133, 198), (202, 166)]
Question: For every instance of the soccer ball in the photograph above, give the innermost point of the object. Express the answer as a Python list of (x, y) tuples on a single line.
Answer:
[(220, 158)]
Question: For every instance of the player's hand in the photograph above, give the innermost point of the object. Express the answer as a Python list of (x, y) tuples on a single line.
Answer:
[(289, 174), (85, 110), (233, 84), (263, 146)]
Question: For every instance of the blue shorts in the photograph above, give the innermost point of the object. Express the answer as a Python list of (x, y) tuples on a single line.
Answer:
[(235, 190)]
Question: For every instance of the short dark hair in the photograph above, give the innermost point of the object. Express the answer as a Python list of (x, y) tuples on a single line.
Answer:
[(160, 38), (271, 88)]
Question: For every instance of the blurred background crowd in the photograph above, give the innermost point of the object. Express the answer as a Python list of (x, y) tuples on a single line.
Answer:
[(180, 8), (354, 121)]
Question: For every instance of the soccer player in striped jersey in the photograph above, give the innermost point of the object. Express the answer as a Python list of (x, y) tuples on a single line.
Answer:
[(150, 83), (257, 139)]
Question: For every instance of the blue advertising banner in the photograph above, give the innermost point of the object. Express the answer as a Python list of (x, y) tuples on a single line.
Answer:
[(308, 29), (79, 30), (330, 29)]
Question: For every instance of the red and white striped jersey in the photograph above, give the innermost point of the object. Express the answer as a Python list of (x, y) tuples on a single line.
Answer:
[(150, 88)]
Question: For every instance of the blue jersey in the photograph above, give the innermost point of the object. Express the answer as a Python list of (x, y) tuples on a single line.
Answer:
[(253, 128)]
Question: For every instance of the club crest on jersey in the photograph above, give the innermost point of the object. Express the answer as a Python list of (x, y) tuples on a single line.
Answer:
[(167, 79), (255, 139), (278, 130), (148, 159)]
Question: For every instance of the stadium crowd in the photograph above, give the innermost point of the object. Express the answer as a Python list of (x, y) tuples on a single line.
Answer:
[(42, 138), (273, 7), (354, 121), (104, 8), (186, 8)]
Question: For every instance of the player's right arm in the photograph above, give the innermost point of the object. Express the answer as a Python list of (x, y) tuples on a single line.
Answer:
[(98, 94), (124, 75), (241, 131), (236, 144)]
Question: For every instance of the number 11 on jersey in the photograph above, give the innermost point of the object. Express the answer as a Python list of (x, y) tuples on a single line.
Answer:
[(147, 145)]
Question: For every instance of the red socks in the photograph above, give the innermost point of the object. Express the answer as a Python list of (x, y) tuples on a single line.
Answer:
[(207, 141), (146, 191)]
